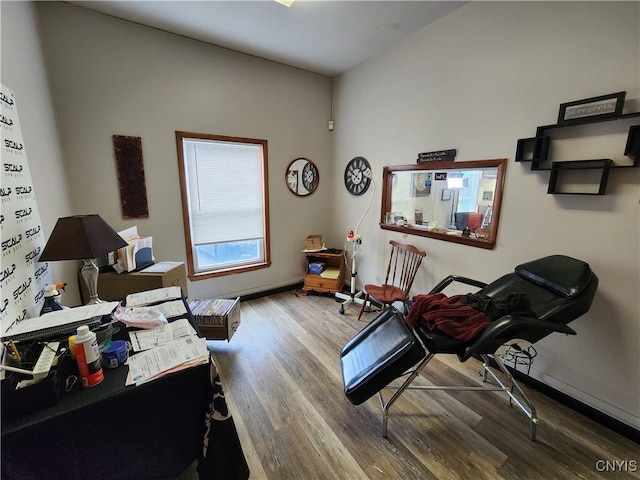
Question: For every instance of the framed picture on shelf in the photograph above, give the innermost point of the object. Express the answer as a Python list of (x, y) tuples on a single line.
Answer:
[(603, 107)]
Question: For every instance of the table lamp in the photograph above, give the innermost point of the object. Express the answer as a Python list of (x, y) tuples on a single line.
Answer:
[(82, 237)]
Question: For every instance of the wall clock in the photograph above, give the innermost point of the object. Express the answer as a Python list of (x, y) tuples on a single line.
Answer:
[(355, 179), (310, 176)]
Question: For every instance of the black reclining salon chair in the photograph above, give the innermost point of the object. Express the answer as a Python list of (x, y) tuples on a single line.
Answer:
[(559, 289)]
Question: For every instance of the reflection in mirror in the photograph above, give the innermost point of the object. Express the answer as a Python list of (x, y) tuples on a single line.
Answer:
[(302, 177), (453, 201)]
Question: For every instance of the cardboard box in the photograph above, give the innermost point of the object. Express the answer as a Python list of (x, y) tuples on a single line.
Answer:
[(314, 242)]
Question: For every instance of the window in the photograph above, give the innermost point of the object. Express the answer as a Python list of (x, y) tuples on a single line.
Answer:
[(223, 181), (468, 195)]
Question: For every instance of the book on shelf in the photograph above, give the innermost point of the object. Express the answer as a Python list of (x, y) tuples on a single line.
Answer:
[(331, 272)]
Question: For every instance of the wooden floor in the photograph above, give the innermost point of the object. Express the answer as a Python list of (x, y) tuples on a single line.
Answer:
[(282, 382)]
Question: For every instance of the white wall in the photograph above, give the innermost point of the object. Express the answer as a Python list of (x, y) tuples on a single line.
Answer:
[(23, 72), (110, 77), (478, 80)]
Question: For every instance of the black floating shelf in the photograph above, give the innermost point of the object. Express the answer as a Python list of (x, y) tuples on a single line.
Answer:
[(633, 142), (534, 149), (584, 121), (564, 177), (557, 168)]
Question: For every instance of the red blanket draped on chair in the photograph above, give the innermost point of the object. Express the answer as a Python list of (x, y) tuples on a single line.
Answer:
[(448, 315)]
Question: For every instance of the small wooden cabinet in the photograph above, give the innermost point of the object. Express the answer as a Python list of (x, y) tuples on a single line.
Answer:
[(116, 286), (331, 280)]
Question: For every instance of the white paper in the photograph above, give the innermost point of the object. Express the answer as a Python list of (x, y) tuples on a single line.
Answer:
[(161, 267), (153, 296), (170, 309), (145, 339), (129, 233), (127, 255), (150, 364)]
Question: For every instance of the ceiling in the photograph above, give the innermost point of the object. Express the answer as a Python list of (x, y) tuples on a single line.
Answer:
[(326, 37)]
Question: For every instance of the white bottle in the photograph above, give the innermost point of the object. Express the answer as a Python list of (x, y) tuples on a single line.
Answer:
[(88, 357)]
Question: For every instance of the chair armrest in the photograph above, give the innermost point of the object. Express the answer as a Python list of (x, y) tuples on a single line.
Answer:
[(511, 327), (456, 278)]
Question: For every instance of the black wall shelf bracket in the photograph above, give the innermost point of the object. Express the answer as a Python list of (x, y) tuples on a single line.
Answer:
[(559, 170)]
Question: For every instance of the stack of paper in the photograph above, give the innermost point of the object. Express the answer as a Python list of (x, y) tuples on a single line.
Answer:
[(332, 273), (185, 352), (144, 311), (58, 322), (146, 339), (138, 252), (153, 296), (168, 347)]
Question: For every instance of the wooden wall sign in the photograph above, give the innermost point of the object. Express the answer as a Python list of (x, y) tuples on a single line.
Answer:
[(133, 189), (437, 156)]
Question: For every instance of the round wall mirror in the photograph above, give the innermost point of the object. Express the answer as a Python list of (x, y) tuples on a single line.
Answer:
[(302, 177)]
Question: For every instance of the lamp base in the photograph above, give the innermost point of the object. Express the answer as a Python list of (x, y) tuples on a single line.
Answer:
[(90, 274)]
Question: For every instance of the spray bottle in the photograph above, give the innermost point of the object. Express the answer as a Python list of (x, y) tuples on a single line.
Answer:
[(50, 302)]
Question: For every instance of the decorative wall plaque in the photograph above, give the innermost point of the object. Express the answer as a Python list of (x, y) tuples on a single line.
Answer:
[(437, 156), (133, 189)]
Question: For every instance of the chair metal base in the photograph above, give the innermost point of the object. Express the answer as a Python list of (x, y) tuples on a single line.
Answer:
[(523, 402), (348, 298)]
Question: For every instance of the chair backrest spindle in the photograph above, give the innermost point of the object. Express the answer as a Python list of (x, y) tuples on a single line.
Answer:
[(404, 262), (403, 265)]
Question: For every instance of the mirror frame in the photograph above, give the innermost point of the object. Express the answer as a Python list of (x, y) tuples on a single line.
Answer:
[(387, 185), (299, 179)]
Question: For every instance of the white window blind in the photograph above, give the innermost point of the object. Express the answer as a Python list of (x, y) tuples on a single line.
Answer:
[(225, 183)]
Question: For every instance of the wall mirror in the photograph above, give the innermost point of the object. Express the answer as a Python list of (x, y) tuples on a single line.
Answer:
[(302, 177), (452, 201)]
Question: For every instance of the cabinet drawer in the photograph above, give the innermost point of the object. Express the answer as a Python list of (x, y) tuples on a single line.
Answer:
[(316, 282), (216, 326)]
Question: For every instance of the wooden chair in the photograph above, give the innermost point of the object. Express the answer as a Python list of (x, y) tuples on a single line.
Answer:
[(403, 266)]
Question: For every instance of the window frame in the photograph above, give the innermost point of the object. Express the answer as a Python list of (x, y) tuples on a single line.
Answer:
[(186, 217)]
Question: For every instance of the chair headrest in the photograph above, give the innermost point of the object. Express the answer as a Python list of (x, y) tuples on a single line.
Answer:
[(564, 275)]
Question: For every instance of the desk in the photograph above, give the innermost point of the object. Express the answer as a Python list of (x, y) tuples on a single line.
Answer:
[(153, 431)]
